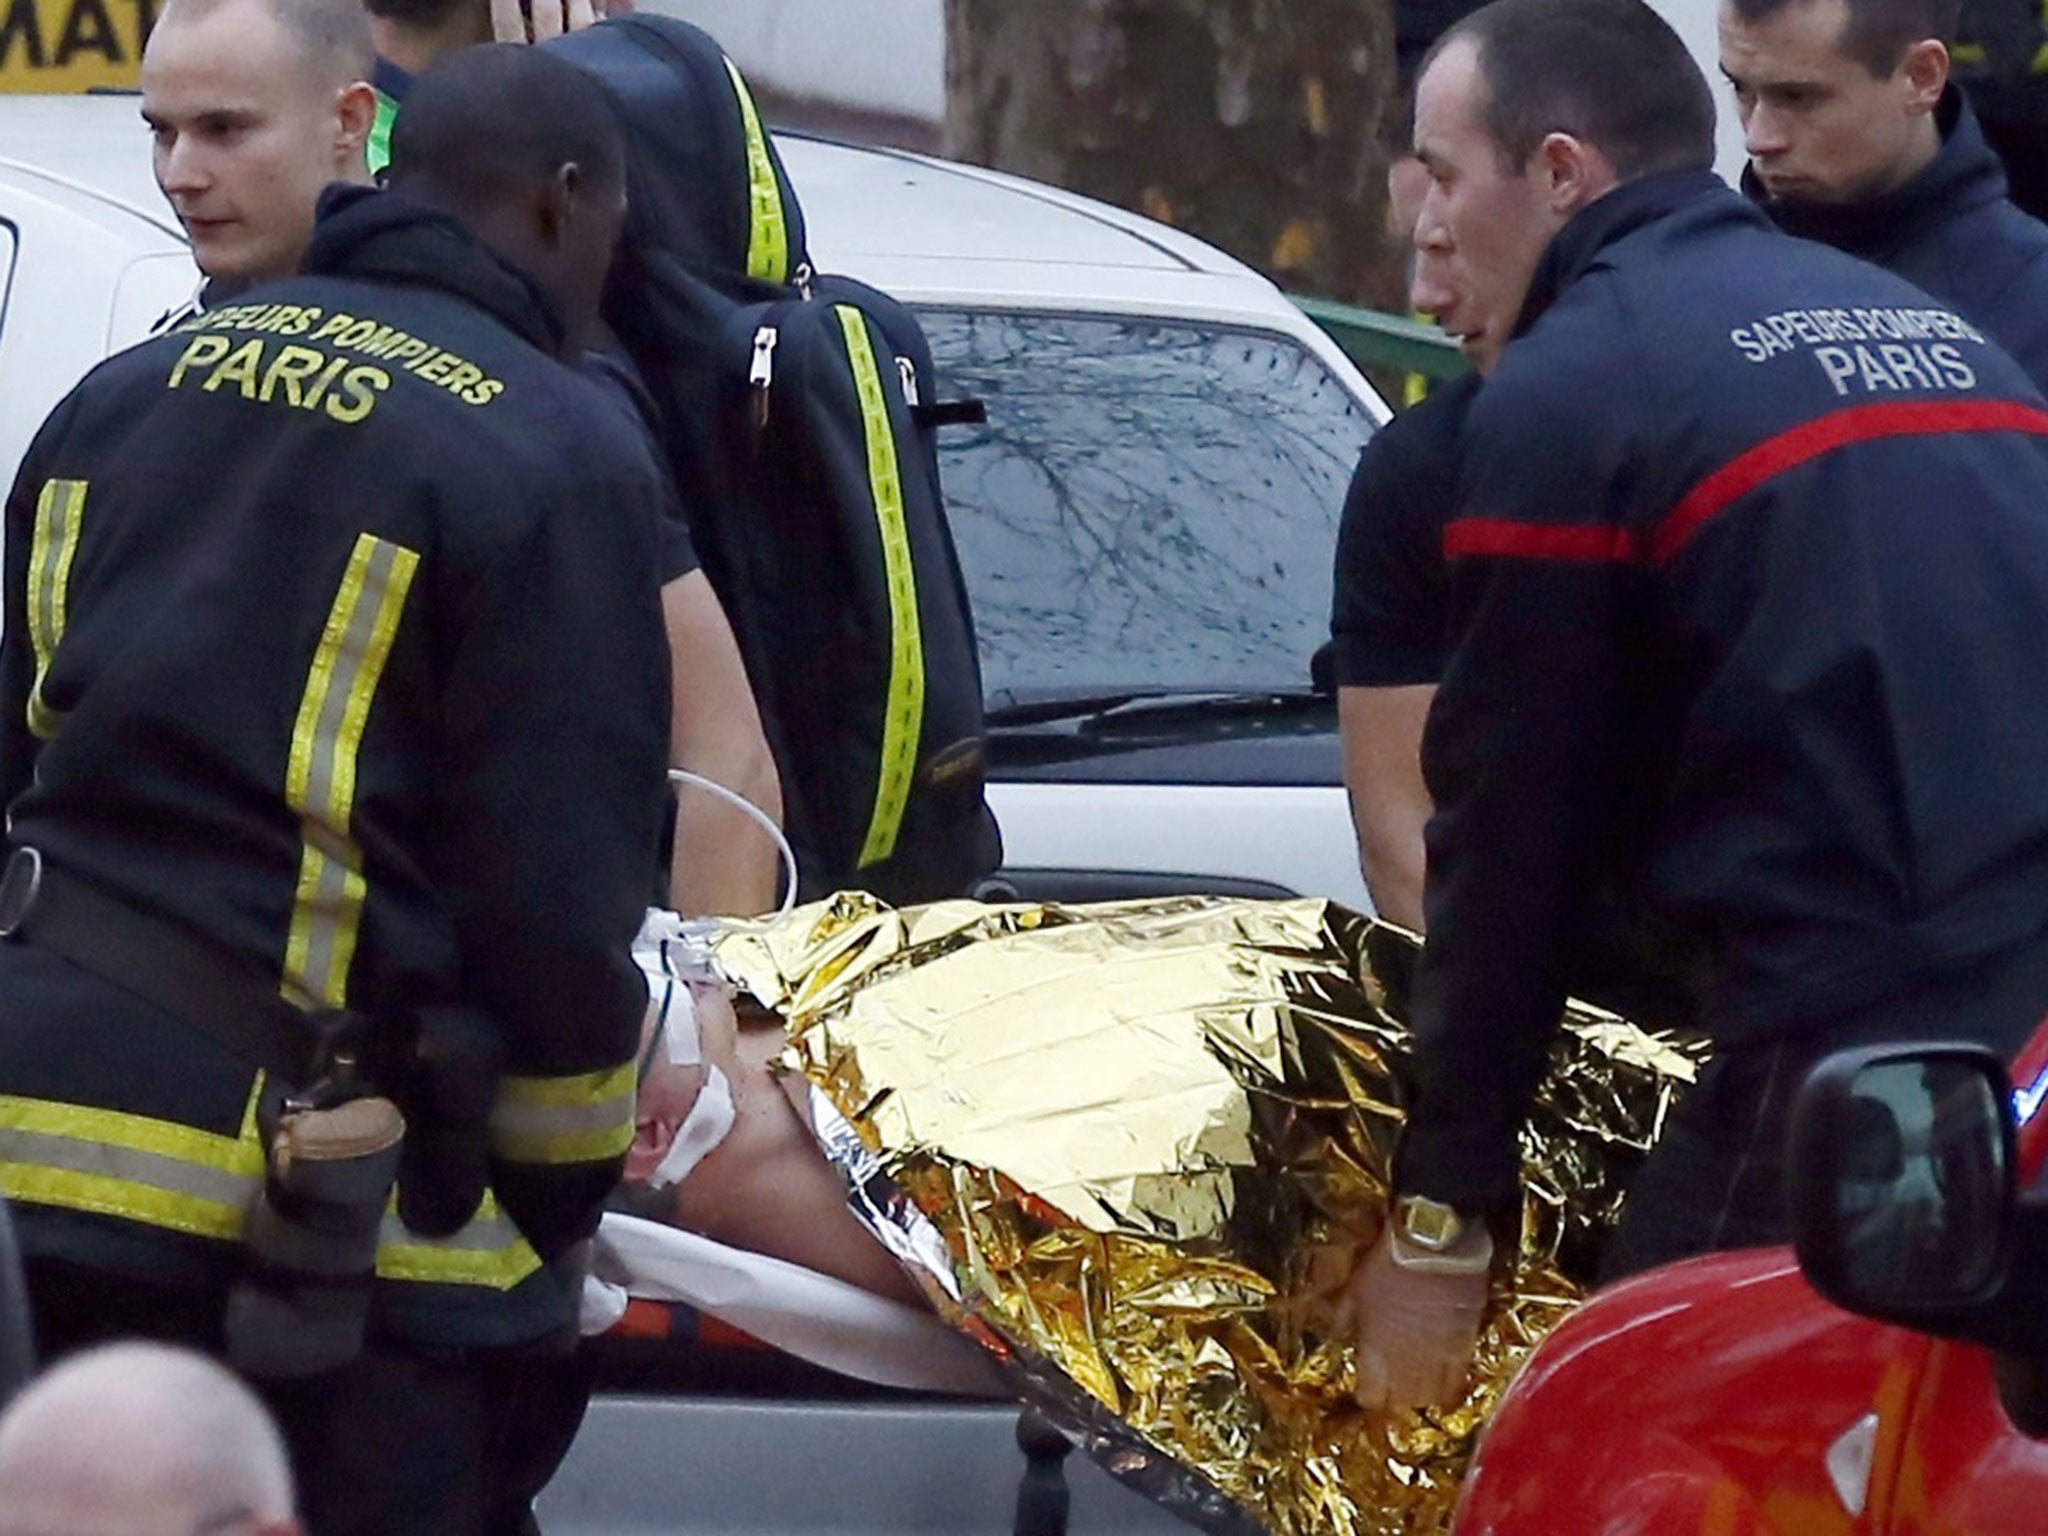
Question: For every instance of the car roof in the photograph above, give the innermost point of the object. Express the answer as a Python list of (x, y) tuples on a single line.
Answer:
[(973, 236), (966, 213), (968, 236), (90, 151), (95, 143)]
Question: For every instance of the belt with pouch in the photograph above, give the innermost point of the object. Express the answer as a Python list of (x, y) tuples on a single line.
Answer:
[(170, 966)]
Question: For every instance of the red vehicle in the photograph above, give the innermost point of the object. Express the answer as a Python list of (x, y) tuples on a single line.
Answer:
[(1889, 1380)]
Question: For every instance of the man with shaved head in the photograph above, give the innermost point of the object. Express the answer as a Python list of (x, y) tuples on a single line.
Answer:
[(139, 1439), (255, 105)]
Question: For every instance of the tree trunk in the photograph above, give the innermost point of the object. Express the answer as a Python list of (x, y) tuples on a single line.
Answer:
[(1257, 124)]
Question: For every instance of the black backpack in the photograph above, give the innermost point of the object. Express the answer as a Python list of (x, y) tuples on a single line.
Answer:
[(795, 414)]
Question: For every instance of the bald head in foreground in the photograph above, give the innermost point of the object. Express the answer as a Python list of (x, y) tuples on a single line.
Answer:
[(142, 1440)]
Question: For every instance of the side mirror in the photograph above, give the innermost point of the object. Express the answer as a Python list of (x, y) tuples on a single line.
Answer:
[(1903, 1188)]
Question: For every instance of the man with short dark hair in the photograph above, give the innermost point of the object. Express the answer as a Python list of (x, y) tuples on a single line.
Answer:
[(1747, 566), (1858, 138), (333, 725)]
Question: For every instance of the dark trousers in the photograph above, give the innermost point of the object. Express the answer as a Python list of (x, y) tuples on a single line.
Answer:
[(1717, 1177), (428, 1444)]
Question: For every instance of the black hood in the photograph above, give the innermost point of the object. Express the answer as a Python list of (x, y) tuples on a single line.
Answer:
[(1605, 220), (703, 175), (389, 237), (1965, 173)]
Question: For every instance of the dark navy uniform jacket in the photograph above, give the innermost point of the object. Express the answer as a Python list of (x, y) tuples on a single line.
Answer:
[(333, 634), (1950, 230), (1749, 579)]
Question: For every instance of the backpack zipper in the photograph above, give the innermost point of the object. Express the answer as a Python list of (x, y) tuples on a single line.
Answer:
[(908, 370), (761, 373)]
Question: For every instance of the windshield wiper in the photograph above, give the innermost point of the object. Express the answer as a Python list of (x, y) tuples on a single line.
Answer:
[(1013, 708), (1045, 706)]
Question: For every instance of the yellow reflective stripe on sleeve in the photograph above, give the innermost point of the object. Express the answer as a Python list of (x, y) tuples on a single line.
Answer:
[(553, 1120), (320, 782), (130, 1166), (487, 1252), (767, 224), (59, 512), (903, 724)]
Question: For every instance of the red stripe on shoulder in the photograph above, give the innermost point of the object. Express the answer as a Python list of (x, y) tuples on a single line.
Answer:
[(1480, 536), (1809, 440)]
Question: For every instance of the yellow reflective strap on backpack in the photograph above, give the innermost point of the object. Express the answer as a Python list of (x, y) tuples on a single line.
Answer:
[(59, 512), (587, 1118), (767, 224), (320, 780), (903, 724)]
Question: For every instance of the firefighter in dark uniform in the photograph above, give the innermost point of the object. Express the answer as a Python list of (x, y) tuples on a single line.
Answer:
[(335, 705), (1858, 138), (2002, 61), (1748, 569)]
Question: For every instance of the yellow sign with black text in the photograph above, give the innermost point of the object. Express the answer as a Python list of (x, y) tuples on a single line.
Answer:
[(72, 45)]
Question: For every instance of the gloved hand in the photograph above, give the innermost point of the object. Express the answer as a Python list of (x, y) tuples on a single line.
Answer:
[(447, 1091), (1415, 1317)]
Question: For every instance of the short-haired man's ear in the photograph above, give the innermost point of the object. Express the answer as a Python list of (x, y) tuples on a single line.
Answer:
[(1925, 69), (355, 114), (1574, 172), (558, 201)]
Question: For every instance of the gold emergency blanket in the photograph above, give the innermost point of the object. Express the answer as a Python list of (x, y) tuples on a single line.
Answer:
[(1149, 1135)]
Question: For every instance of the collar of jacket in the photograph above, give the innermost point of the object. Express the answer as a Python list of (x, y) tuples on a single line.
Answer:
[(389, 78), (388, 237), (1965, 173), (1602, 222)]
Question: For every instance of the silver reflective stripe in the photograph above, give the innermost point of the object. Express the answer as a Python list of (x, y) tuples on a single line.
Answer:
[(320, 781), (563, 1134), (60, 510), (486, 1233), (91, 1162), (488, 1252), (153, 1169), (582, 1119)]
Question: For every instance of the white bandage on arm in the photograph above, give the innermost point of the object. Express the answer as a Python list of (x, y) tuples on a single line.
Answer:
[(676, 960)]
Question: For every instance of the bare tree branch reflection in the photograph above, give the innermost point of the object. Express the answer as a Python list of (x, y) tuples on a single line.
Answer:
[(1151, 503)]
